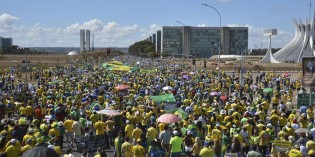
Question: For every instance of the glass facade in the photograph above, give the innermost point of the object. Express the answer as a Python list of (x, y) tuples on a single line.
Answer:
[(202, 41), (172, 40)]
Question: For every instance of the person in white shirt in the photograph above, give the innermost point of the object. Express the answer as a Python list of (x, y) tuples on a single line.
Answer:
[(77, 128), (313, 132)]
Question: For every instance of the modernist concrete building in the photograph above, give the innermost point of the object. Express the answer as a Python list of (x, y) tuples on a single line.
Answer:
[(302, 45), (5, 42), (158, 41), (203, 41), (85, 40)]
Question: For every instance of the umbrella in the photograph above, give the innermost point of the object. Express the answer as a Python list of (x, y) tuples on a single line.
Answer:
[(187, 77), (167, 88), (285, 74), (268, 90), (214, 93), (168, 118), (73, 53), (223, 97), (109, 112), (40, 151), (301, 130), (122, 87)]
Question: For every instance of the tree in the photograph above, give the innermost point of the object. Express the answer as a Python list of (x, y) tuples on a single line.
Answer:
[(142, 48)]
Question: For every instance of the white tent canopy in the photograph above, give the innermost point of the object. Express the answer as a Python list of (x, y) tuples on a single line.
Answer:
[(226, 57), (73, 53)]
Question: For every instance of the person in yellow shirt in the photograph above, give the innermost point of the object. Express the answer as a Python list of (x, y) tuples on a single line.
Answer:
[(295, 152), (128, 129), (69, 131), (13, 149), (100, 127), (54, 132), (263, 141), (29, 136), (28, 146), (29, 112), (216, 133), (110, 128), (283, 120), (152, 133), (126, 148), (138, 150), (206, 151), (94, 117), (136, 134)]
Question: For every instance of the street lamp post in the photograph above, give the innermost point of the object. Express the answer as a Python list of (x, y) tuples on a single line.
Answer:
[(180, 23), (219, 47)]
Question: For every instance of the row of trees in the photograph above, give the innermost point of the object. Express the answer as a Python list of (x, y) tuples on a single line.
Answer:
[(142, 48)]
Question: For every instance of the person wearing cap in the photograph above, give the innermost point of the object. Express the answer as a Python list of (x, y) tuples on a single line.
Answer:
[(206, 151), (126, 148), (176, 144), (295, 151), (128, 129), (138, 150), (28, 146), (303, 120), (28, 136), (136, 134), (13, 149), (216, 132)]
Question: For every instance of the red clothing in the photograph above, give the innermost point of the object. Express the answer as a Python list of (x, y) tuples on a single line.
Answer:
[(38, 113)]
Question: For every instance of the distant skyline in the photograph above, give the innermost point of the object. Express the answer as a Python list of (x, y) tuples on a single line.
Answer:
[(120, 23)]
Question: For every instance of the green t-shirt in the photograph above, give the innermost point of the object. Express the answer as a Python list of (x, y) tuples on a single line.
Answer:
[(176, 143)]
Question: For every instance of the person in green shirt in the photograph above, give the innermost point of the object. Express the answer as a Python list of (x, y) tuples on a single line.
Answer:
[(176, 145), (206, 151), (118, 142)]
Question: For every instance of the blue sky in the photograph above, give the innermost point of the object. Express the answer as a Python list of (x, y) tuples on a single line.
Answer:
[(38, 23)]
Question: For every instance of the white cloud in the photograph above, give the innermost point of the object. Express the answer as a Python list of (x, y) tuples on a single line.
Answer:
[(256, 37), (201, 25), (154, 28), (6, 21)]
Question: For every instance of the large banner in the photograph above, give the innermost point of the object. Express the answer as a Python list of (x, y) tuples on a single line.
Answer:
[(90, 143), (308, 67)]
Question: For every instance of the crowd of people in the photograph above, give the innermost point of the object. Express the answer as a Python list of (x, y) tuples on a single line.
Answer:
[(223, 113)]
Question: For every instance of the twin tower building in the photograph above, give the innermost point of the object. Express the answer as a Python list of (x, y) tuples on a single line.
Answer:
[(85, 36)]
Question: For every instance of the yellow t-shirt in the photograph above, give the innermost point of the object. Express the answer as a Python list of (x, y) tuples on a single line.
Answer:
[(100, 128), (206, 152), (138, 151), (55, 132), (68, 125), (136, 133), (264, 138), (126, 149), (216, 134), (152, 133), (128, 130), (109, 125), (295, 153), (13, 151), (26, 148)]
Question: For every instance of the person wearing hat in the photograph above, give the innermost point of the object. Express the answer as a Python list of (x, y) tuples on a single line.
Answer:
[(128, 129), (216, 132), (206, 151), (126, 148), (303, 120), (28, 136), (176, 144), (295, 151), (138, 150), (28, 146), (13, 149)]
